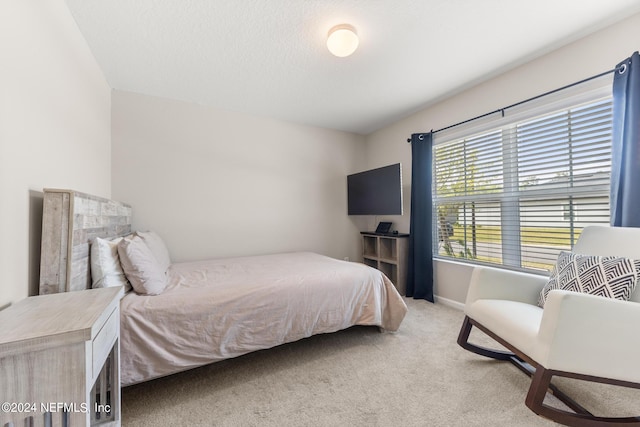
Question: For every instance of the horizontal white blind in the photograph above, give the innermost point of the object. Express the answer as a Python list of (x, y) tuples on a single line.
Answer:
[(518, 194)]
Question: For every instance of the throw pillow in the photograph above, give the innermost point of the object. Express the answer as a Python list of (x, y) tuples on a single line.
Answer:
[(606, 276), (141, 267), (105, 264), (158, 248)]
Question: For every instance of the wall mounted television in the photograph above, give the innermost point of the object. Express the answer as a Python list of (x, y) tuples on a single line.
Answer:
[(376, 191)]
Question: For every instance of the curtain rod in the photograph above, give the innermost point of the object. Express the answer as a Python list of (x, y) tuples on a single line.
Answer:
[(501, 110)]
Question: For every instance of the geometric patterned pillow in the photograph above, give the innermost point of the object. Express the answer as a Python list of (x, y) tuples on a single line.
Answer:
[(606, 276)]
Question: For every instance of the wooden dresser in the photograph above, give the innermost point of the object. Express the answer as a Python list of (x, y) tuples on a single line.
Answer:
[(59, 360)]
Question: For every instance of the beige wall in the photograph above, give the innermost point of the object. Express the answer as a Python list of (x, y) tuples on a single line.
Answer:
[(581, 59), (54, 129), (217, 183)]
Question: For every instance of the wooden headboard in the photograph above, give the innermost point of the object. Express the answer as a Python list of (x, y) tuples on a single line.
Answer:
[(70, 221)]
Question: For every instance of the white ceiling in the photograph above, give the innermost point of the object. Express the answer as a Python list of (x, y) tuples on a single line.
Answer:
[(268, 57)]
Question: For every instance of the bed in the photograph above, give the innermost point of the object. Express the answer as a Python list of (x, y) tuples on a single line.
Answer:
[(215, 309)]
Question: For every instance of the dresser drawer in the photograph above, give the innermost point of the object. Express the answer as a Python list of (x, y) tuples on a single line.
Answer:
[(103, 342)]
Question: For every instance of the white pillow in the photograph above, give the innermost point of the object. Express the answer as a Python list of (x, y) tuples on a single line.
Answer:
[(141, 267), (158, 248), (105, 264)]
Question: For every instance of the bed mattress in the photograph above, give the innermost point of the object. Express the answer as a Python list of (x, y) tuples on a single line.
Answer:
[(223, 308)]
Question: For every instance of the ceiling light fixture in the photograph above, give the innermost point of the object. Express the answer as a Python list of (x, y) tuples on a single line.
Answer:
[(342, 40)]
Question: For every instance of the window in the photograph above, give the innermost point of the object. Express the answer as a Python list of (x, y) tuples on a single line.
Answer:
[(518, 193)]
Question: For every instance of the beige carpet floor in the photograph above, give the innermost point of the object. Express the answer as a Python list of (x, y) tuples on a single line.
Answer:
[(417, 376)]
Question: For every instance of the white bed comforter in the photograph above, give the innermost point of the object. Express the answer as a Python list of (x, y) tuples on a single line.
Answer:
[(218, 309)]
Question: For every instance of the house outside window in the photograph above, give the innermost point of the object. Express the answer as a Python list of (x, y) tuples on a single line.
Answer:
[(514, 192)]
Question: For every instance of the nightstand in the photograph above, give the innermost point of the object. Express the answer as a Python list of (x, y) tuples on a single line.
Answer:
[(59, 359)]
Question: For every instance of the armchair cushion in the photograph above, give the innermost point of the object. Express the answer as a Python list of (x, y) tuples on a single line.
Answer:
[(515, 322), (606, 276)]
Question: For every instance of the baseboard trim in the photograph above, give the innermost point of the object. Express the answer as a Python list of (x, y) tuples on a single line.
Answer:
[(450, 303)]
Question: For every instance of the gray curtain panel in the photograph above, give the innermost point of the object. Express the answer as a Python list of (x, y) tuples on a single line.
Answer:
[(625, 152), (420, 274)]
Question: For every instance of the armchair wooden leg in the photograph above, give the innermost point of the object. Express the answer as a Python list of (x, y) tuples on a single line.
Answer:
[(540, 383), (463, 341)]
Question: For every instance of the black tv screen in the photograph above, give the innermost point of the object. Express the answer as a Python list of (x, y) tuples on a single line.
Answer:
[(376, 191)]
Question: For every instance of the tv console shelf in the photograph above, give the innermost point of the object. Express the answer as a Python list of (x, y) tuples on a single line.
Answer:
[(388, 253)]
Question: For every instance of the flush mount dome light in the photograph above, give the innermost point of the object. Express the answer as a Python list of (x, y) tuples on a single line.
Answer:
[(342, 40)]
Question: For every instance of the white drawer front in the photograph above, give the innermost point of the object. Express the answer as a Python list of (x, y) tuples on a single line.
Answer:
[(103, 342)]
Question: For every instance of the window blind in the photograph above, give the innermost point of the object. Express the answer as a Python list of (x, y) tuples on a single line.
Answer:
[(518, 194)]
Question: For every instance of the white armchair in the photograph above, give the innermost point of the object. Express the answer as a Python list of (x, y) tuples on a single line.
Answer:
[(575, 335)]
